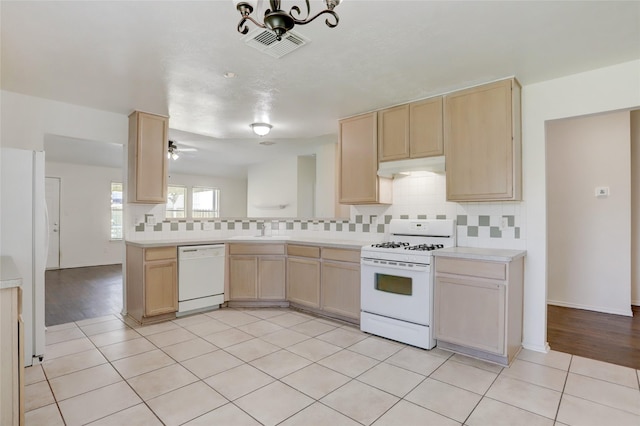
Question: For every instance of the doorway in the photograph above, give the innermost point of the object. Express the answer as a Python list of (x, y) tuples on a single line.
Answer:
[(52, 198), (589, 213), (84, 269), (592, 236)]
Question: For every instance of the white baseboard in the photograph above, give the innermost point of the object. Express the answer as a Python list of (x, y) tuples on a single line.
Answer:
[(536, 347), (625, 312)]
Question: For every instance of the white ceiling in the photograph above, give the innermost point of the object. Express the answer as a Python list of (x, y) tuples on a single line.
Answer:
[(169, 57)]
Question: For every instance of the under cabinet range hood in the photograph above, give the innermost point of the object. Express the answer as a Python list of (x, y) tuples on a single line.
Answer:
[(391, 169)]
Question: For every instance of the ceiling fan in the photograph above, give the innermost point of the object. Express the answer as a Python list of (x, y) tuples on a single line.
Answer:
[(173, 151)]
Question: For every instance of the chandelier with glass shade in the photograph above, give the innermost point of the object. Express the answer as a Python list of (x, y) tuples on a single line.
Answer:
[(279, 21)]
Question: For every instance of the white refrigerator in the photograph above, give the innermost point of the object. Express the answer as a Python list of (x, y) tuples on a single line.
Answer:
[(23, 236)]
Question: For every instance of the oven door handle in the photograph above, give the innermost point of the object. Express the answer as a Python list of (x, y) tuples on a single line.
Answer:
[(393, 264)]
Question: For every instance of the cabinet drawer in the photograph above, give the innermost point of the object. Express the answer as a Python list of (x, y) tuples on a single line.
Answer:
[(303, 251), (256, 249), (474, 268), (158, 253), (342, 255)]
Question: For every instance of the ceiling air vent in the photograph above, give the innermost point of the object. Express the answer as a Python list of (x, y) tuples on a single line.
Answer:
[(265, 41)]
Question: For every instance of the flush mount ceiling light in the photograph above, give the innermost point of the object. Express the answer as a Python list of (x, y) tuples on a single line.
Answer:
[(278, 20), (261, 129)]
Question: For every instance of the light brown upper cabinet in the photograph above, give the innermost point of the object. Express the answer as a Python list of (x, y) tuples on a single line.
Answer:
[(411, 131), (393, 133), (358, 149), (482, 143), (148, 142)]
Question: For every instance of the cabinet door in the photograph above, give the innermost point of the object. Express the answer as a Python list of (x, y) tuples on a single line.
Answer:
[(470, 313), (243, 277), (479, 144), (393, 133), (426, 131), (358, 149), (341, 288), (148, 142), (303, 281), (161, 289), (12, 356), (271, 278)]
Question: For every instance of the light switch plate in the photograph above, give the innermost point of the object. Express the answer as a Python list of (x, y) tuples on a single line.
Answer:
[(602, 191)]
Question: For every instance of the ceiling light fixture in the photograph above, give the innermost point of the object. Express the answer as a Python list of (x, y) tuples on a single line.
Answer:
[(172, 152), (261, 129), (278, 20)]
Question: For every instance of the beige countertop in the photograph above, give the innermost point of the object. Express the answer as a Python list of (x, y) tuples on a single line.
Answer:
[(9, 274), (477, 253), (327, 242)]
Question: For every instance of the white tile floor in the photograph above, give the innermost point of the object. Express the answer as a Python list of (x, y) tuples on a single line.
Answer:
[(279, 366)]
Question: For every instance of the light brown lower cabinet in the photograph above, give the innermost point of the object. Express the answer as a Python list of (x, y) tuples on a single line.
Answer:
[(160, 295), (11, 357), (325, 280), (243, 277), (257, 272), (271, 278), (341, 288), (152, 283), (478, 307), (303, 281)]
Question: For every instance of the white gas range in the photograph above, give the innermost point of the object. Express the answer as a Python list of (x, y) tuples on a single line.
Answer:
[(396, 282)]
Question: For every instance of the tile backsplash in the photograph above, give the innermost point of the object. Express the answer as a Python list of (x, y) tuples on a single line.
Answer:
[(417, 196)]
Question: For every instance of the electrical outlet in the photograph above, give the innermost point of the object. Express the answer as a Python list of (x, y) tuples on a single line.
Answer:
[(504, 223)]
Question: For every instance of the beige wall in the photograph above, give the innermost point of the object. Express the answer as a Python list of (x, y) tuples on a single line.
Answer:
[(273, 184), (85, 214), (635, 207), (588, 237), (306, 197)]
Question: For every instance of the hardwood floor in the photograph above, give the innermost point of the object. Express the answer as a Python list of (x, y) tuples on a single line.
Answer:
[(595, 335), (79, 293)]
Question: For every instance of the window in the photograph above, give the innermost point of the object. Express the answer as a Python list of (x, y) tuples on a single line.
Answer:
[(116, 210), (176, 202), (205, 202)]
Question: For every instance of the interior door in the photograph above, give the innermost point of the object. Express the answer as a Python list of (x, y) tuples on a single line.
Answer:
[(52, 196)]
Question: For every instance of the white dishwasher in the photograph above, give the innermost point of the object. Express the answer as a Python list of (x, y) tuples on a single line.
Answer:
[(200, 277)]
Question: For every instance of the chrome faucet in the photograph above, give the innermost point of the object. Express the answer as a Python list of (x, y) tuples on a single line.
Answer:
[(262, 229)]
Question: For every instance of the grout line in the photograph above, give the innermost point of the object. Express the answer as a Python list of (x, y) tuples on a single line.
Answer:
[(335, 326)]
